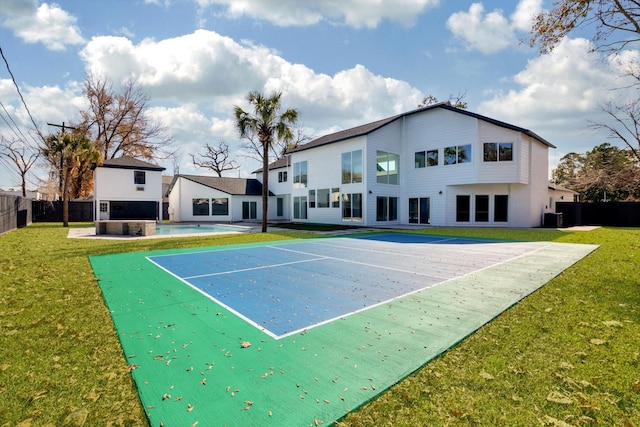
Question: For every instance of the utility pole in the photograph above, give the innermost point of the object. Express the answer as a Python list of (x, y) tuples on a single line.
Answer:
[(61, 158)]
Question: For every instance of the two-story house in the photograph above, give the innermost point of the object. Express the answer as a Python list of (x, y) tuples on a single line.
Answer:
[(126, 188), (436, 165)]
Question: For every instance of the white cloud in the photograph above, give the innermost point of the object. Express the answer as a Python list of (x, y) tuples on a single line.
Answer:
[(355, 13), (46, 24), (561, 93), (217, 72), (492, 32)]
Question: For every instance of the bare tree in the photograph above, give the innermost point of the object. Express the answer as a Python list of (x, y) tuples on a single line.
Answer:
[(625, 124), (20, 156), (215, 158), (455, 100), (616, 23), (118, 123)]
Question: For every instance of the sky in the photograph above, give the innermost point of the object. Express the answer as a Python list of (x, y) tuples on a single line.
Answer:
[(340, 63)]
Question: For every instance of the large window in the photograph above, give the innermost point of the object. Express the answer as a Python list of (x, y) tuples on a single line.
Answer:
[(352, 207), (300, 175), (386, 208), (387, 168), (322, 198), (482, 208), (220, 206), (139, 177), (312, 198), (249, 210), (419, 210), (463, 206), (457, 154), (501, 208), (420, 159), (300, 207), (432, 158), (200, 207), (498, 151), (352, 167)]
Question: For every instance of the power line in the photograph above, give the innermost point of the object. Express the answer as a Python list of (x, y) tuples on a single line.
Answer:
[(20, 94)]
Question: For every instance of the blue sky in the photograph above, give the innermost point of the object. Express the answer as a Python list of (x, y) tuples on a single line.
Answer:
[(341, 63)]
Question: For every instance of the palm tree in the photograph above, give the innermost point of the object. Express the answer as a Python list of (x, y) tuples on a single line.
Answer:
[(67, 152), (265, 122)]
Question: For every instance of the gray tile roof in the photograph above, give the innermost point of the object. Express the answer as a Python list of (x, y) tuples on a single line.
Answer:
[(370, 127), (278, 164), (232, 186)]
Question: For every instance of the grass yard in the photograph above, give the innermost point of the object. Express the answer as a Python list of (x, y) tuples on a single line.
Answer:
[(567, 355)]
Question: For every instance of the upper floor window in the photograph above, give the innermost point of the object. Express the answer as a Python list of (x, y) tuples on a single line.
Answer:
[(387, 168), (300, 174), (420, 159), (457, 154), (432, 158), (282, 176), (139, 177), (352, 167), (498, 151)]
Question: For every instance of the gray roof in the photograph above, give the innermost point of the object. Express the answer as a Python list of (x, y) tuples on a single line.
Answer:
[(278, 164), (128, 163), (370, 127), (232, 186)]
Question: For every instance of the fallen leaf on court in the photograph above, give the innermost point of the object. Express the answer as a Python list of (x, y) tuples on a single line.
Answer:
[(189, 407), (245, 344)]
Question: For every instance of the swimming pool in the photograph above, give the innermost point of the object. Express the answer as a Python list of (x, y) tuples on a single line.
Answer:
[(177, 229)]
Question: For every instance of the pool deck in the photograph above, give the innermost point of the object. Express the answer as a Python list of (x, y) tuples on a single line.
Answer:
[(90, 233)]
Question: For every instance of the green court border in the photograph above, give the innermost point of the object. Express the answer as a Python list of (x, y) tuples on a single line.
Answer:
[(186, 352)]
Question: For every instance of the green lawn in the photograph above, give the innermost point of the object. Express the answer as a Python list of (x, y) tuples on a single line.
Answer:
[(566, 355)]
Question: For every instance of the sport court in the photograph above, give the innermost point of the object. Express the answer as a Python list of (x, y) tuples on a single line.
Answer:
[(299, 332)]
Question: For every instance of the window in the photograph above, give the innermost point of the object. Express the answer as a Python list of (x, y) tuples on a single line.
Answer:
[(419, 210), (282, 176), (420, 159), (387, 168), (386, 208), (352, 207), (323, 198), (279, 206), (482, 208), (498, 151), (139, 177), (300, 207), (432, 158), (200, 207), (352, 167), (104, 207), (501, 208), (300, 175), (463, 204), (457, 154), (220, 206), (335, 197), (312, 198), (249, 210)]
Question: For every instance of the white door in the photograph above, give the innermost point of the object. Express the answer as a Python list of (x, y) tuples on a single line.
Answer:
[(104, 211)]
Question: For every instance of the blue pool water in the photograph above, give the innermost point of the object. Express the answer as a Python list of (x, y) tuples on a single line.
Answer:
[(176, 229)]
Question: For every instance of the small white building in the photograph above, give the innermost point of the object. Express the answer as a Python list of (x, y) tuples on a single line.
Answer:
[(127, 189), (194, 198)]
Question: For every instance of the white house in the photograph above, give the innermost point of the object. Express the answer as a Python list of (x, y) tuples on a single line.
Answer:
[(436, 165), (127, 189), (209, 198)]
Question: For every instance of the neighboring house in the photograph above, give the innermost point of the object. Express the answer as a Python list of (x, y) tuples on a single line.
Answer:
[(436, 165), (33, 195), (561, 194), (127, 188), (208, 198)]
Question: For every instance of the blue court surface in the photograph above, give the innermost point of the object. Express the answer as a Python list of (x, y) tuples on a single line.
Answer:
[(286, 288)]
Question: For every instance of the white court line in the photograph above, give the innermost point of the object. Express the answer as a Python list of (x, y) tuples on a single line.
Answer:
[(379, 251), (220, 273)]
